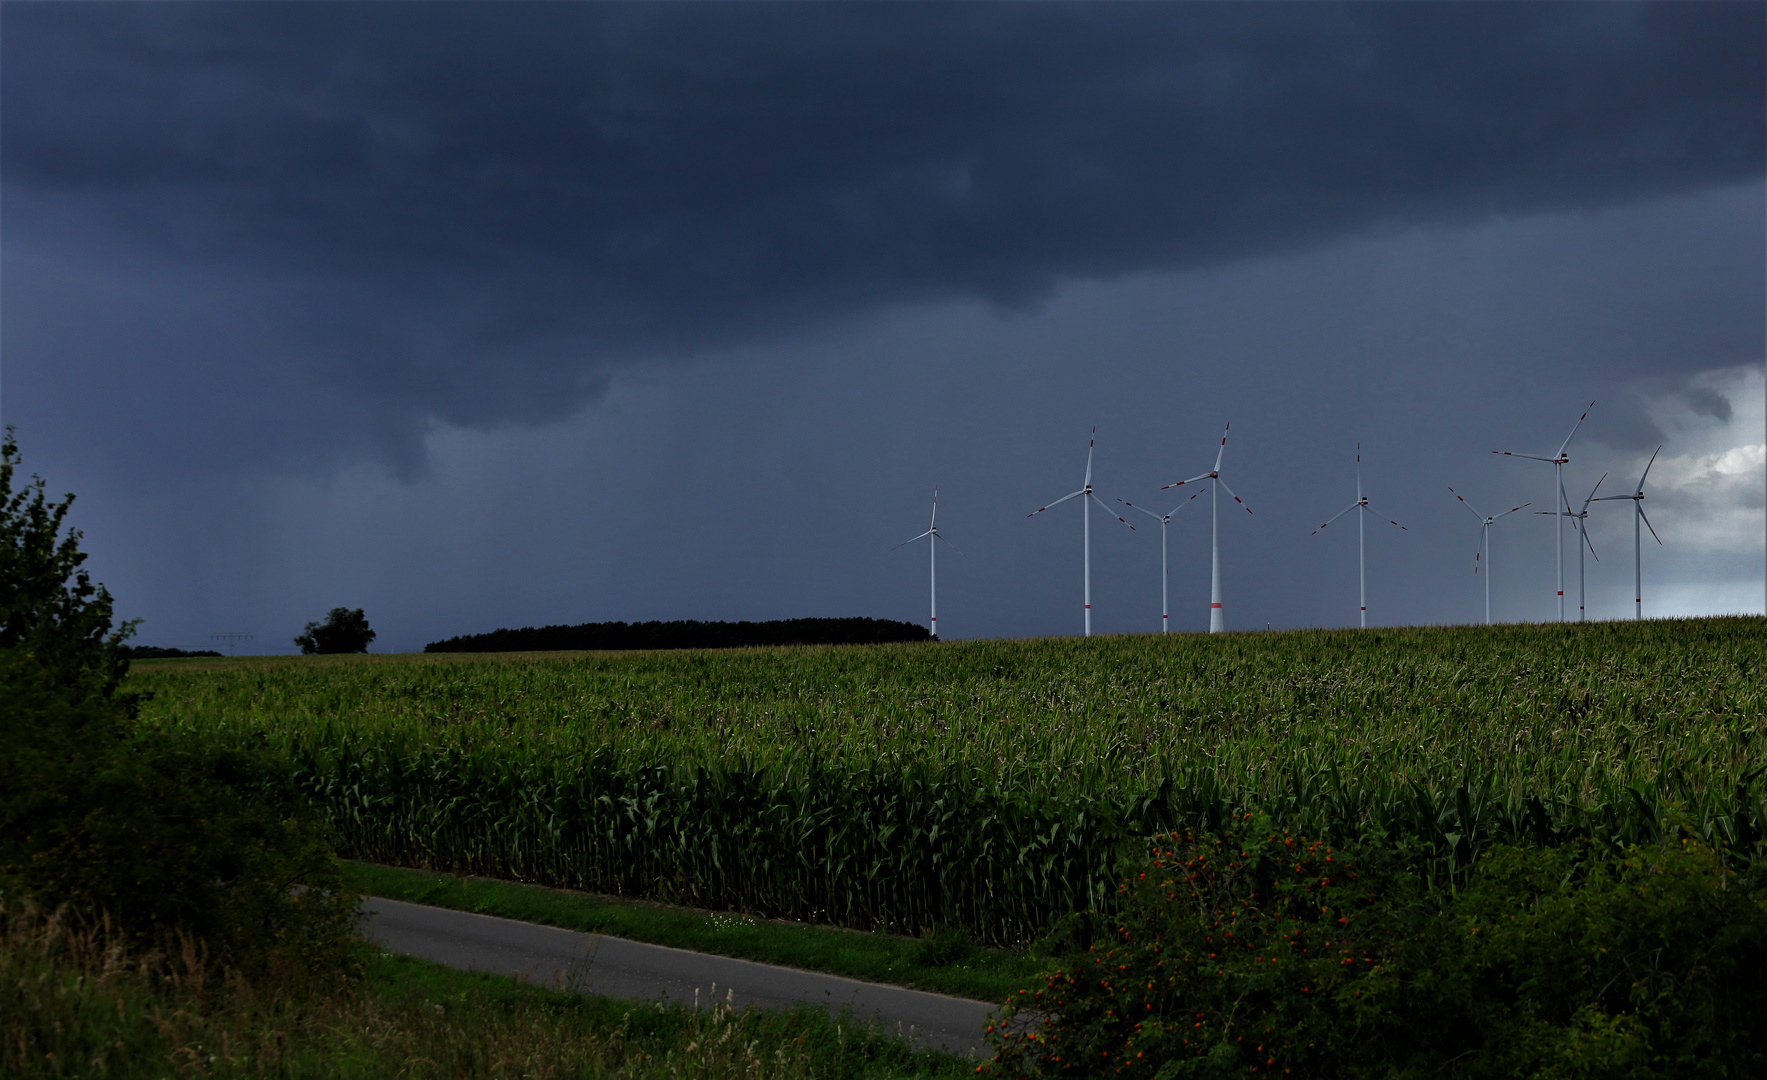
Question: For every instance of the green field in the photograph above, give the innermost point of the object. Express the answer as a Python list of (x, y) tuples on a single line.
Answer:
[(993, 785)]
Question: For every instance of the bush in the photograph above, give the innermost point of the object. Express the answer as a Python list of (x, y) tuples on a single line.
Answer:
[(49, 607), (1260, 952), (156, 831), (161, 832)]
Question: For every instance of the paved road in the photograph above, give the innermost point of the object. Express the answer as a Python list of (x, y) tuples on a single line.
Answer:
[(598, 964)]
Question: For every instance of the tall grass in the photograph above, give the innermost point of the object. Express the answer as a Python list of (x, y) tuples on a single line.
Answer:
[(79, 1000), (992, 784)]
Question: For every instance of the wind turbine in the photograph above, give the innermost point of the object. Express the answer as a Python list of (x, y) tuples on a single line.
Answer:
[(1084, 494), (932, 538), (1558, 461), (1637, 500), (1164, 520), (1581, 518), (1217, 618), (1361, 504), (1485, 543)]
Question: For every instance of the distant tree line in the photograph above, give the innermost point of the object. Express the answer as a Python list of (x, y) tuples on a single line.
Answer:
[(685, 634), (156, 652)]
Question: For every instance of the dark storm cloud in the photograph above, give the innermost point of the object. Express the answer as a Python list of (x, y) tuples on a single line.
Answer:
[(470, 212), (1708, 402)]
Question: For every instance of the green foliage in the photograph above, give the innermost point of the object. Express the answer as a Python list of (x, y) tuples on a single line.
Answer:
[(162, 831), (158, 829), (993, 786), (344, 630), (49, 607), (1257, 951), (80, 1002)]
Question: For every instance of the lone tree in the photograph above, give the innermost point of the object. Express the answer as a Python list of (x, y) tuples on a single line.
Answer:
[(343, 631)]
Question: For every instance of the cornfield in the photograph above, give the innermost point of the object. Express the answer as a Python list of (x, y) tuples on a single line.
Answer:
[(995, 785)]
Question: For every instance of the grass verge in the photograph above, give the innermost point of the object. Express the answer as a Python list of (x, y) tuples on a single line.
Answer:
[(80, 1001), (946, 963)]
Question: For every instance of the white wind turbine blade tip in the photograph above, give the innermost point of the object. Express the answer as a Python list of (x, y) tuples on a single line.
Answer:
[(1236, 498), (1593, 490), (1653, 461), (1469, 506), (1652, 528), (1057, 502), (1566, 444), (1102, 505)]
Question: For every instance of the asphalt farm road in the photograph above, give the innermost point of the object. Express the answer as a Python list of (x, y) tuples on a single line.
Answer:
[(598, 964)]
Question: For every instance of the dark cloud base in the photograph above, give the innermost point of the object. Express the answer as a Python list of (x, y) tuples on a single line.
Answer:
[(472, 214)]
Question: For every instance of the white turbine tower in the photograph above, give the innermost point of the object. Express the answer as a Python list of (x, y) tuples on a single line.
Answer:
[(1637, 501), (1361, 504), (1164, 520), (1558, 462), (1217, 617), (1581, 518), (932, 537), (1485, 543), (1085, 494)]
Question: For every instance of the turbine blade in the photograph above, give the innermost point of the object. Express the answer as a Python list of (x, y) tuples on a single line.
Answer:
[(1112, 513), (1652, 528), (1584, 533), (1653, 461), (1463, 502), (1057, 502), (1574, 427), (1530, 457), (949, 544), (1229, 491), (1335, 516), (935, 505), (1143, 509), (911, 539), (1513, 509), (1192, 480), (1090, 443), (1592, 492), (1219, 453), (1188, 501)]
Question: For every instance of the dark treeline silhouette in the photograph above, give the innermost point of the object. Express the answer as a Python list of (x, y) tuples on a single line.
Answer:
[(686, 634), (155, 652)]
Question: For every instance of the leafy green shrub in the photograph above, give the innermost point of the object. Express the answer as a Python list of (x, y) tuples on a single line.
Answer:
[(162, 832), (157, 831), (49, 607), (1257, 952)]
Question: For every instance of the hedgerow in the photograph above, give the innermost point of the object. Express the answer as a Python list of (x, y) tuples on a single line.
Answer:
[(1254, 951)]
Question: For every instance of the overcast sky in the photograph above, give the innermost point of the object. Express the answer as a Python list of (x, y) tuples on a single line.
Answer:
[(481, 315)]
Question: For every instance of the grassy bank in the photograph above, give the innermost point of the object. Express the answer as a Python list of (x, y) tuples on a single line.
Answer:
[(947, 964), (79, 1003), (993, 785)]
